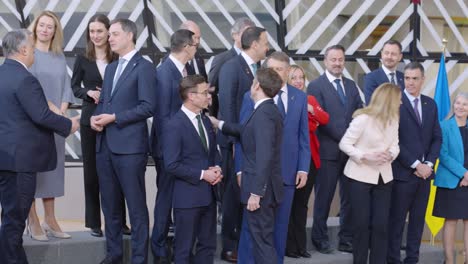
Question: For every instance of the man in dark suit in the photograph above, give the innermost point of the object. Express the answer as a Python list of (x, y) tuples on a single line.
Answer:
[(261, 181), (195, 65), (236, 75), (168, 76), (127, 100), (27, 129), (236, 32), (420, 139), (391, 55), (295, 151), (339, 97), (190, 154)]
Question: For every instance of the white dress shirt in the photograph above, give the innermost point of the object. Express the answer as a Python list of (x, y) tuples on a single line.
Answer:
[(332, 79), (249, 61), (284, 98), (387, 73), (179, 65), (127, 58)]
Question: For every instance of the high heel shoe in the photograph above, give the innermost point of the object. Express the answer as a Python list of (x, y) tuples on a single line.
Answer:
[(54, 233), (41, 238)]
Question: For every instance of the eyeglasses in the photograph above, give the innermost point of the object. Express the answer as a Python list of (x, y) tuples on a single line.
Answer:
[(205, 93)]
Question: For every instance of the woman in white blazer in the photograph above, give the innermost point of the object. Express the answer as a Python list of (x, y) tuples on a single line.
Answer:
[(371, 142)]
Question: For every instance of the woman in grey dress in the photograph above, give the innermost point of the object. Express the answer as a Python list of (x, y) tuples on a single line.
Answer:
[(50, 69)]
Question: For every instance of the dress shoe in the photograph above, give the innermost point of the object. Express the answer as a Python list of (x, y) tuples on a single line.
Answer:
[(323, 247), (229, 256), (109, 260), (54, 233), (304, 254), (292, 254), (126, 230), (161, 260), (96, 232), (345, 247), (41, 237)]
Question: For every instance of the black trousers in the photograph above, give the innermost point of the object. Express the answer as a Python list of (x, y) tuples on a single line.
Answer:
[(370, 209), (231, 205), (297, 235), (91, 181), (16, 196)]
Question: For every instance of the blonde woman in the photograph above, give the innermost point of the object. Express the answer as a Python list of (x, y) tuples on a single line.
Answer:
[(50, 69), (296, 77), (371, 142)]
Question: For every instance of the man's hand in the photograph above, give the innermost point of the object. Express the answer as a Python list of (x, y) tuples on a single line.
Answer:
[(212, 176), (253, 203), (104, 119), (218, 172), (423, 170), (94, 125), (301, 179), (214, 121), (95, 94), (75, 124), (239, 178)]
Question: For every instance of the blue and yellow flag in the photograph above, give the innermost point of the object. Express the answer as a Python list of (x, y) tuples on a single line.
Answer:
[(442, 99)]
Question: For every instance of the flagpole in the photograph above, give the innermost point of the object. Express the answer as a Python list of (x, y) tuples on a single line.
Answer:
[(444, 45)]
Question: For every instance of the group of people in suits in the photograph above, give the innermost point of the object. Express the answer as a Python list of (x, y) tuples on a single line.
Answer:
[(275, 142)]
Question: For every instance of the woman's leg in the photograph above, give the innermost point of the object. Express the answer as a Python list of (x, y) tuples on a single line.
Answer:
[(449, 239)]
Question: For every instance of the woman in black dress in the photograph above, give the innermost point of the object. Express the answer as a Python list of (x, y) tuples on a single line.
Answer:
[(452, 176), (88, 74)]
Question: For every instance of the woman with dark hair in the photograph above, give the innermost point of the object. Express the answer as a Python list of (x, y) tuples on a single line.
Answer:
[(451, 176), (88, 74)]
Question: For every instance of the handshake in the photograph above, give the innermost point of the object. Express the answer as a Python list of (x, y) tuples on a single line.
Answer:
[(75, 120), (213, 175)]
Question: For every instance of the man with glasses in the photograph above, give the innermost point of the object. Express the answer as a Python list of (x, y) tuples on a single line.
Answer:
[(168, 76)]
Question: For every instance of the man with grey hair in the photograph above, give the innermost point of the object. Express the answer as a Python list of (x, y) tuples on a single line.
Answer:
[(236, 32), (197, 64), (27, 128)]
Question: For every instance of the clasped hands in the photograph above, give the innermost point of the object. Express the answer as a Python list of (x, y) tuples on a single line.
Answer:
[(377, 158), (100, 121), (423, 171), (213, 175)]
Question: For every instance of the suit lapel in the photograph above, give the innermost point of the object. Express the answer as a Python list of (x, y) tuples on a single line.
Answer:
[(174, 70), (409, 107), (128, 69), (331, 89), (382, 76), (291, 100), (245, 67)]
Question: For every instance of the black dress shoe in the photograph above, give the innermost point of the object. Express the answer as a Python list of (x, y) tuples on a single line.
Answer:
[(304, 254), (109, 260), (345, 247), (96, 232), (292, 254), (126, 230), (323, 247), (229, 256)]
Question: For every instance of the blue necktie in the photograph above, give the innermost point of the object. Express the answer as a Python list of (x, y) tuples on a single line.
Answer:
[(340, 91), (117, 74), (280, 104), (254, 68)]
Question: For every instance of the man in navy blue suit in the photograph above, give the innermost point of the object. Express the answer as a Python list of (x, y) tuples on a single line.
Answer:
[(391, 55), (127, 99), (236, 75), (295, 151), (339, 97), (261, 184), (420, 139), (168, 76), (190, 157), (27, 129)]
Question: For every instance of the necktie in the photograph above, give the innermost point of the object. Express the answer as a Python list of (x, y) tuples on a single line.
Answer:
[(254, 68), (392, 78), (184, 71), (118, 73), (416, 110), (280, 104), (201, 132), (340, 91)]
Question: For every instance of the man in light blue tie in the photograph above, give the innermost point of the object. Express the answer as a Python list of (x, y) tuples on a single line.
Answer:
[(127, 100)]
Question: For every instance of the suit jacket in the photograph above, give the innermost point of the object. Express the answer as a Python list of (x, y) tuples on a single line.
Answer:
[(373, 79), (168, 102), (27, 125), (329, 135), (452, 157), (132, 102), (417, 142), (319, 118), (200, 65), (365, 135), (216, 65), (295, 150), (261, 138), (86, 72), (185, 158)]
